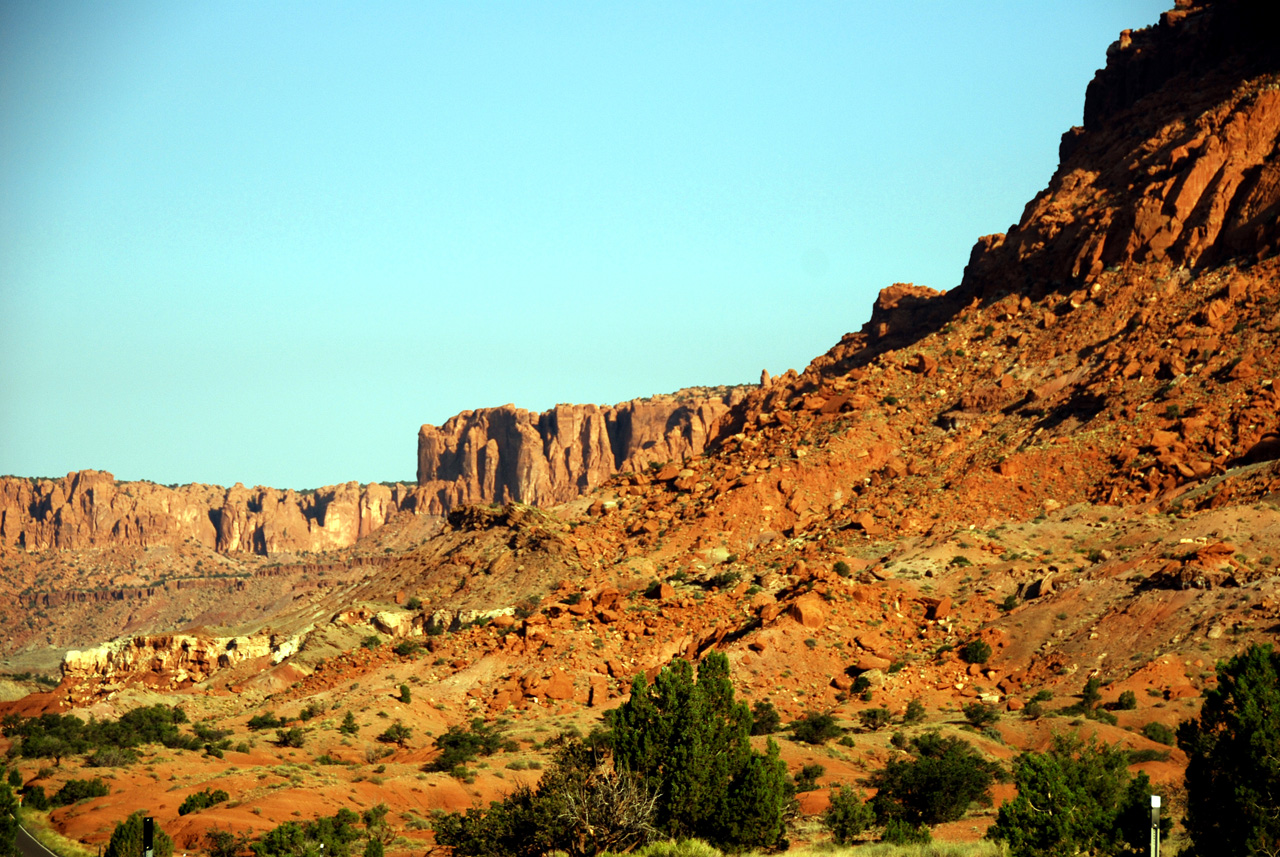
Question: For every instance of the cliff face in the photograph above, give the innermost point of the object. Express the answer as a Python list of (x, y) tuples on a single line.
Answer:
[(1176, 162), (499, 455), (89, 508)]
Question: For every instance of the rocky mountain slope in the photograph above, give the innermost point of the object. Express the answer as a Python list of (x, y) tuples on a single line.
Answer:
[(1074, 457)]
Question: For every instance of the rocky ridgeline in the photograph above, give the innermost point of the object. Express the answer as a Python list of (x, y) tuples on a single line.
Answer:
[(1175, 162), (89, 508), (507, 454)]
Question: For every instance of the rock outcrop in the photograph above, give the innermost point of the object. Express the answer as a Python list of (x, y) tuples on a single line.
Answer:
[(166, 661), (507, 454), (1176, 161), (89, 508)]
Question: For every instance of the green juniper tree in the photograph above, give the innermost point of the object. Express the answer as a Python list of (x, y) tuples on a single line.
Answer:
[(1233, 760), (690, 739)]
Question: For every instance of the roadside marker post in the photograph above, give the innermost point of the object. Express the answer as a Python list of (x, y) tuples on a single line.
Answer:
[(1155, 825)]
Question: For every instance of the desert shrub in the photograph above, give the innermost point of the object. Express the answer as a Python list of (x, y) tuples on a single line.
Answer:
[(1097, 808), (875, 718), (1128, 701), (860, 684), (397, 733), (458, 746), (126, 839), (111, 757), (765, 719), (291, 737), (197, 801), (915, 712), (77, 790), (1159, 733), (842, 568), (406, 648), (406, 696), (847, 816), (532, 822), (980, 714), (899, 831), (807, 777), (349, 725), (815, 728), (224, 843), (266, 720), (35, 798), (335, 834), (938, 785), (975, 652), (371, 642), (56, 735)]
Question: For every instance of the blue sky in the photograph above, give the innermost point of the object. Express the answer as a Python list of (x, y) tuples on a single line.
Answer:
[(265, 241)]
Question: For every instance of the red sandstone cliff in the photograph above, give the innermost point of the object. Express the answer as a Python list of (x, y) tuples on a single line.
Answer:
[(90, 509), (1176, 161), (498, 455)]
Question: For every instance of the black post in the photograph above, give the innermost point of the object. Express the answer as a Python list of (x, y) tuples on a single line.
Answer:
[(148, 836)]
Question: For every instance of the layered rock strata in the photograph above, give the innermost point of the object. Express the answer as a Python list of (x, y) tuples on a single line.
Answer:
[(500, 455), (89, 508)]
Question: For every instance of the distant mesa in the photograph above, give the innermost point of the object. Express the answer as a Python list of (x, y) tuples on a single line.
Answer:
[(507, 454)]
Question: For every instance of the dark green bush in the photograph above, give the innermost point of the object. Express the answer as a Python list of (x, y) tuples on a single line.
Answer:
[(291, 737), (266, 721), (397, 733), (35, 798), (335, 833), (1233, 759), (875, 718), (847, 816), (975, 652), (899, 831), (915, 712), (1159, 733), (197, 801), (689, 741), (815, 728), (807, 777), (765, 719), (77, 790), (938, 785), (1097, 808), (980, 714), (1128, 701), (458, 746)]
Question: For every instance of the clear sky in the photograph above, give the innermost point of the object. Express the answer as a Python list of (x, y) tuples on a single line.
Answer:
[(263, 242)]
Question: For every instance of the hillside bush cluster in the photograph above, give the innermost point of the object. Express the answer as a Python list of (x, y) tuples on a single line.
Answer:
[(676, 762), (110, 742), (197, 801)]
